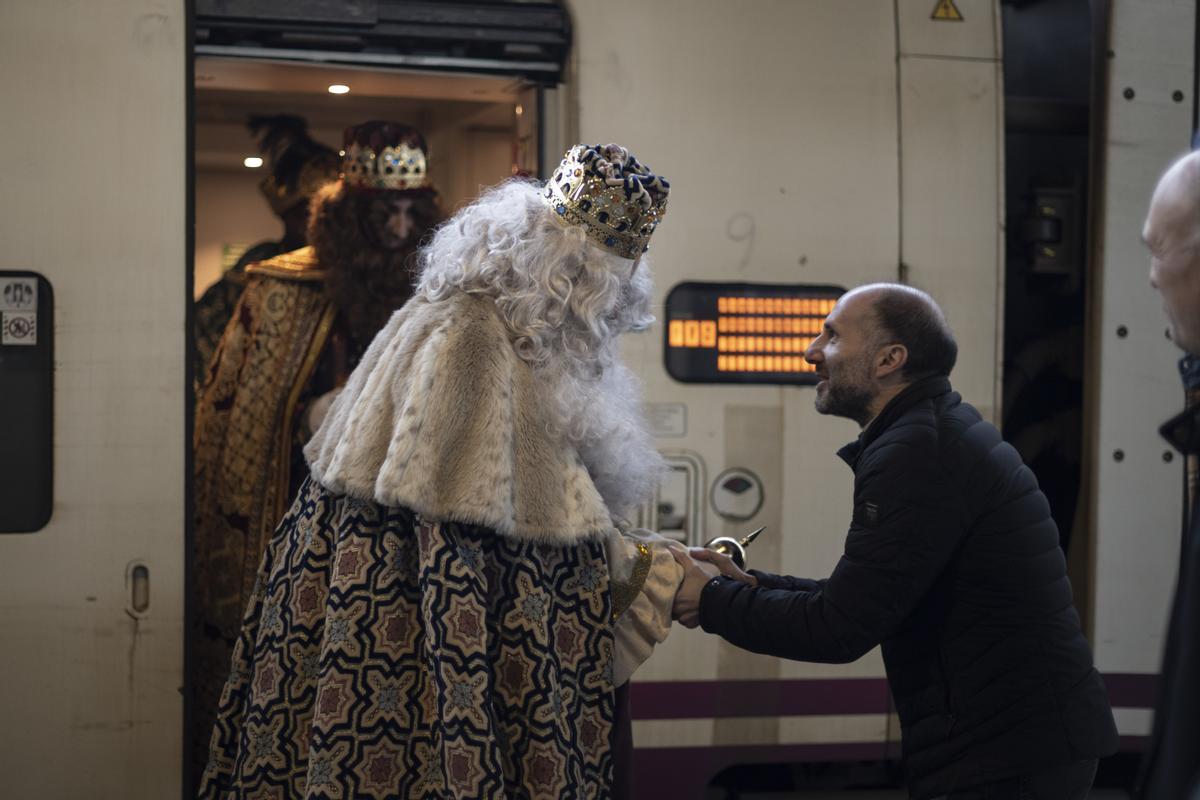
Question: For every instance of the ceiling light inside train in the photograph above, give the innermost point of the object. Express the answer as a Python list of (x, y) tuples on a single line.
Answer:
[(339, 88), (253, 162)]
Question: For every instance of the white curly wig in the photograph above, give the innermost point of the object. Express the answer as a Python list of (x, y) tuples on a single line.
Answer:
[(556, 290), (564, 300)]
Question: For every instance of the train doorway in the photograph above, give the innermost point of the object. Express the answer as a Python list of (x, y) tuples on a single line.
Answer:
[(479, 85)]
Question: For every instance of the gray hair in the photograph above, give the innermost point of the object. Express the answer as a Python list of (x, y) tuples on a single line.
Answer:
[(908, 316), (556, 291), (564, 300)]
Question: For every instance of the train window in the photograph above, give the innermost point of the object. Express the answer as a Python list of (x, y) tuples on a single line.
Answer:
[(744, 332)]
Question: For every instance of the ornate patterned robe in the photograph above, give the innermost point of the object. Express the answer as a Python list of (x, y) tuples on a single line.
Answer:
[(447, 608), (386, 655), (245, 445), (214, 309)]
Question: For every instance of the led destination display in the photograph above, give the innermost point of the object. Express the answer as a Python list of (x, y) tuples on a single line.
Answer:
[(744, 332)]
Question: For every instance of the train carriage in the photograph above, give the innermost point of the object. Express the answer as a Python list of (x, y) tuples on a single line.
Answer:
[(811, 146)]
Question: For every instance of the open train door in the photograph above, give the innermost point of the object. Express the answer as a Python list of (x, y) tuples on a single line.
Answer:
[(98, 231), (473, 78)]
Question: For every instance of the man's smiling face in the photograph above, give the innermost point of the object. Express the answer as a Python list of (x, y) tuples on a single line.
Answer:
[(844, 359)]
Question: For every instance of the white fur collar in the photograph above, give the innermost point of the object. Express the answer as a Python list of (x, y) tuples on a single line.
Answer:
[(444, 418)]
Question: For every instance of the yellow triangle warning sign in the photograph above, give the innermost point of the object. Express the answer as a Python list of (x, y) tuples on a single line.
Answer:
[(946, 11)]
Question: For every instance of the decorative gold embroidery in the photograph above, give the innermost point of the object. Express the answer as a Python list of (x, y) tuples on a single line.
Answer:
[(242, 461), (623, 594), (284, 477), (297, 265)]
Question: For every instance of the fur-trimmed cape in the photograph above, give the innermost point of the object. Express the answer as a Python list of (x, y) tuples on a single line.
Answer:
[(442, 417)]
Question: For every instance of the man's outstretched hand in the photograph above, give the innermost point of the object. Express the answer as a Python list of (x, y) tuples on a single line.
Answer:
[(724, 563), (700, 565)]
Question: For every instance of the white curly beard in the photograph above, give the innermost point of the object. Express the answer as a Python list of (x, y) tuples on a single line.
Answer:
[(605, 420)]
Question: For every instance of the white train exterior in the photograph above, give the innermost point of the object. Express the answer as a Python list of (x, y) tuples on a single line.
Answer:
[(825, 142)]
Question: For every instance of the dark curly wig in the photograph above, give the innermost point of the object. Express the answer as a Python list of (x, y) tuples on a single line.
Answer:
[(370, 272)]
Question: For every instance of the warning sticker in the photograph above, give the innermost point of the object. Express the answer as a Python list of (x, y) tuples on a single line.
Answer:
[(946, 11), (18, 328), (18, 294)]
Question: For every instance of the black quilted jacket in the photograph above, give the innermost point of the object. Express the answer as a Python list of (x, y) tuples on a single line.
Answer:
[(952, 564)]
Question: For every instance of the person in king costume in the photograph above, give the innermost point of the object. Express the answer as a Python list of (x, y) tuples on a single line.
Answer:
[(300, 327), (452, 600), (298, 167)]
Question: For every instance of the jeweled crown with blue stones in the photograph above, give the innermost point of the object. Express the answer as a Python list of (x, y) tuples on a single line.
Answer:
[(615, 198), (385, 155), (393, 168)]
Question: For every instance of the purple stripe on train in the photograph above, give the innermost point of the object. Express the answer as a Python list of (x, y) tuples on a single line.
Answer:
[(808, 697)]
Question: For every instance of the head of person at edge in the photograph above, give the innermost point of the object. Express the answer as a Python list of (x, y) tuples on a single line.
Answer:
[(1172, 234), (1171, 766)]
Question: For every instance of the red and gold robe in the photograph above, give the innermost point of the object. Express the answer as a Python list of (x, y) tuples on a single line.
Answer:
[(246, 445)]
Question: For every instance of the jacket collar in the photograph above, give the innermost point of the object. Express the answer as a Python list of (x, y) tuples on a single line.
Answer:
[(1189, 372), (912, 394), (1183, 430)]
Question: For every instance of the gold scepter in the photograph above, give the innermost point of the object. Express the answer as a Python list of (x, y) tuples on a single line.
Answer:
[(734, 548)]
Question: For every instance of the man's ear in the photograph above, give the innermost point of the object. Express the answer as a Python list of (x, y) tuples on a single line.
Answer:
[(890, 360)]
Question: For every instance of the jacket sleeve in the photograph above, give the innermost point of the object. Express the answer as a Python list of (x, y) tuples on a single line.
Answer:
[(769, 580), (908, 521)]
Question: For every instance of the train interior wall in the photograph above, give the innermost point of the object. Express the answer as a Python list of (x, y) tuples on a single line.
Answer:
[(471, 123)]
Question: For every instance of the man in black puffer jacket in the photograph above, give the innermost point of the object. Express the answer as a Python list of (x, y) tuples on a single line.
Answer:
[(952, 564)]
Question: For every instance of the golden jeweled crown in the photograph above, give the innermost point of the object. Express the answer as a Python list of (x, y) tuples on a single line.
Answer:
[(399, 167), (617, 200)]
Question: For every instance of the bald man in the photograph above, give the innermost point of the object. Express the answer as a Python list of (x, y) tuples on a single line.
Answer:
[(1172, 232), (951, 563)]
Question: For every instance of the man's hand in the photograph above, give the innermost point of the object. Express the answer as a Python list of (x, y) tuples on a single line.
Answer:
[(686, 609), (724, 563)]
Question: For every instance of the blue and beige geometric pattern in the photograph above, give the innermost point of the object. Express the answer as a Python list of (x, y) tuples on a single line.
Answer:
[(388, 656)]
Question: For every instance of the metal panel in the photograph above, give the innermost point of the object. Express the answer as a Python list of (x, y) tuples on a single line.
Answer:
[(501, 37), (951, 157), (92, 148), (362, 12), (746, 429), (973, 37), (783, 169), (1137, 499)]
